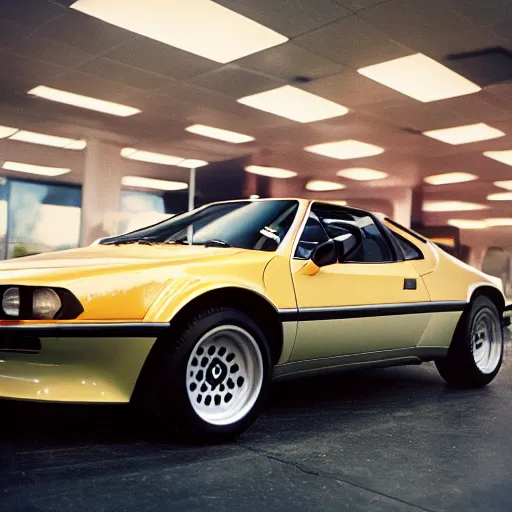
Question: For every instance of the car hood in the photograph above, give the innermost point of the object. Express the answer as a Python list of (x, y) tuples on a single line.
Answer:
[(109, 256)]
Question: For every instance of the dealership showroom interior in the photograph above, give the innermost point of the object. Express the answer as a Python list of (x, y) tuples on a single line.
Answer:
[(256, 255)]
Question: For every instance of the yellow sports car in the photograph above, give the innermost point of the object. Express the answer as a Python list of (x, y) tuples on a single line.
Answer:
[(195, 316)]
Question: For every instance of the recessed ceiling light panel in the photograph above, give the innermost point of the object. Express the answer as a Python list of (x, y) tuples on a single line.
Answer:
[(141, 182), (191, 163), (48, 140), (218, 133), (294, 104), (504, 157), (451, 206), (465, 134), (201, 27), (498, 222), (148, 156), (345, 149), (270, 172), (420, 77), (467, 224), (323, 186), (506, 184), (41, 170), (7, 131), (450, 177), (78, 100), (500, 196), (362, 174)]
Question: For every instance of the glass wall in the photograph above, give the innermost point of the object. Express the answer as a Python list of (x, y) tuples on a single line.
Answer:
[(39, 217), (42, 217), (140, 209)]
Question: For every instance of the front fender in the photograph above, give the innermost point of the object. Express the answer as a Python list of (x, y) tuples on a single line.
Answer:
[(184, 287)]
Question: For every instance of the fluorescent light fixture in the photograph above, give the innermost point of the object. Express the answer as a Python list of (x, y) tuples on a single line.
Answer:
[(498, 222), (507, 184), (271, 172), (48, 140), (420, 77), (500, 196), (323, 186), (465, 134), (294, 104), (254, 196), (190, 163), (35, 169), (451, 206), (78, 100), (7, 131), (468, 224), (450, 177), (218, 133), (345, 149), (504, 157), (148, 156), (201, 27), (362, 174), (140, 182)]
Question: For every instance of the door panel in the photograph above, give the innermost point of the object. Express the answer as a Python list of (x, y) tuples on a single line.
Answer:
[(339, 309)]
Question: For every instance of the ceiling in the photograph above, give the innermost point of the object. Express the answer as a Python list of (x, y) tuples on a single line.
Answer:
[(44, 42)]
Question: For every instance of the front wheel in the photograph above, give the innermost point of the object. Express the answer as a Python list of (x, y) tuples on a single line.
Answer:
[(476, 352), (213, 379)]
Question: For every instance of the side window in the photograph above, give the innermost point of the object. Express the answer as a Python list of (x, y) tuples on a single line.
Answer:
[(374, 248), (313, 235), (410, 251)]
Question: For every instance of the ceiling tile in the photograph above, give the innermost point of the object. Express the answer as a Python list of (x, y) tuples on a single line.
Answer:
[(29, 13), (48, 50), (358, 5), (116, 72), (25, 73), (289, 17), (85, 32), (416, 19), (10, 33), (288, 61), (483, 13), (81, 83), (351, 89), (236, 82), (353, 42), (160, 58)]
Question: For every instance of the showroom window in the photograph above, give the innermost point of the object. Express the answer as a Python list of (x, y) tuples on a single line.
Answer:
[(3, 217), (40, 217), (140, 209)]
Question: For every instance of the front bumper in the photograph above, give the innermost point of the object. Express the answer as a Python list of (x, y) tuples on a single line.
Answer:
[(74, 362)]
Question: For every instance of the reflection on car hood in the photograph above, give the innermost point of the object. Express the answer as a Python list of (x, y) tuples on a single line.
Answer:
[(101, 256)]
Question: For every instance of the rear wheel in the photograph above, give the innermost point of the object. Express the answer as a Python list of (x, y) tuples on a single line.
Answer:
[(476, 352), (212, 381)]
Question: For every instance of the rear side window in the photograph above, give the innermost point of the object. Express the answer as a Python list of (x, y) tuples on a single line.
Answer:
[(411, 252)]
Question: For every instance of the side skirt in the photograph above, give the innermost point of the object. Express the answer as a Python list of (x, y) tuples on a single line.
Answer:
[(381, 359)]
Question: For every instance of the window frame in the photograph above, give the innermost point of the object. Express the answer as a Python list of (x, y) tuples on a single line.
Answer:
[(386, 234)]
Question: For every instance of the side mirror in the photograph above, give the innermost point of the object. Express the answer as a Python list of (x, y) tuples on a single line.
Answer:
[(326, 254)]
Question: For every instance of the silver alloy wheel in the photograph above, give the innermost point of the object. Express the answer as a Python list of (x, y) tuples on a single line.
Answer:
[(486, 342), (224, 375)]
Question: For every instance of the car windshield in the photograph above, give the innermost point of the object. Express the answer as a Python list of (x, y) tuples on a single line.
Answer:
[(256, 225)]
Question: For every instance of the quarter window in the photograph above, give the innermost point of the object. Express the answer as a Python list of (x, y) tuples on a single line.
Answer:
[(410, 251)]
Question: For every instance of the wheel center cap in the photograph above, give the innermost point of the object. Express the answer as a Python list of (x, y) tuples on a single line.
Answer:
[(216, 372)]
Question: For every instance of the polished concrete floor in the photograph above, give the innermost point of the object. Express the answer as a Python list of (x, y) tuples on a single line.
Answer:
[(394, 439)]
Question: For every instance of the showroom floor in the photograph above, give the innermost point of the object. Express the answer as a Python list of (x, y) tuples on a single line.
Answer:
[(394, 439)]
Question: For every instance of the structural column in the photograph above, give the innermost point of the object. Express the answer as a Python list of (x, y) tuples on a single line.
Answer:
[(476, 256), (101, 191), (402, 206)]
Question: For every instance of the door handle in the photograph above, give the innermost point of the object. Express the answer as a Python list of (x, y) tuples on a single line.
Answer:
[(410, 284)]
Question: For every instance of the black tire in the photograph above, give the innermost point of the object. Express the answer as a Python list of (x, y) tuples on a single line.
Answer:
[(166, 390), (460, 368)]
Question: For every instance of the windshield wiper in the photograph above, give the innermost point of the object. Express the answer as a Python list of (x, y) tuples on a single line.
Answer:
[(143, 241), (179, 241), (216, 243)]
